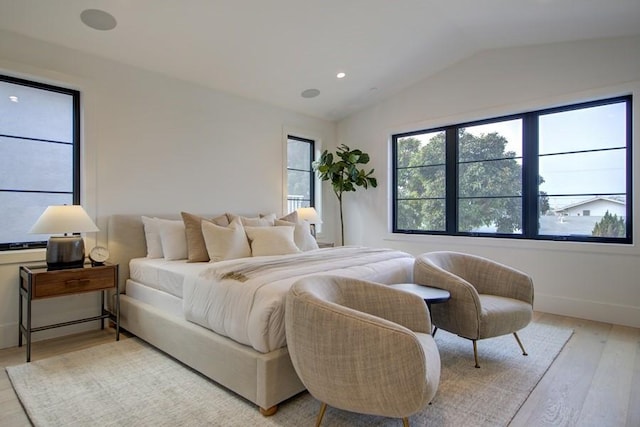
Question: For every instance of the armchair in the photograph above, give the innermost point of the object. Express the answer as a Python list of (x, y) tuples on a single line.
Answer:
[(361, 346), (488, 299)]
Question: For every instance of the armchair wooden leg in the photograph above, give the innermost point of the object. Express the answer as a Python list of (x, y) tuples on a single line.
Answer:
[(475, 352), (323, 408), (524, 352), (405, 422)]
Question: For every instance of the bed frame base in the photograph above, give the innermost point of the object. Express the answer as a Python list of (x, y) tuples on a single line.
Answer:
[(265, 379)]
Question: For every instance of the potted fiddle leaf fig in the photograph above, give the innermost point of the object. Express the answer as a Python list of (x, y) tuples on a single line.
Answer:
[(342, 169)]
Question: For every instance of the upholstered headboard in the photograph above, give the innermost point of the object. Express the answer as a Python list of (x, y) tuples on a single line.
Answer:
[(125, 240)]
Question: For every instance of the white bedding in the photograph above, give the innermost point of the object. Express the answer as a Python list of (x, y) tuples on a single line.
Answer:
[(245, 302), (163, 275), (168, 303)]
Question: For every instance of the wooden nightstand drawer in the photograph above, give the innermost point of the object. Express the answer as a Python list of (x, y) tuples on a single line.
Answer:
[(72, 281)]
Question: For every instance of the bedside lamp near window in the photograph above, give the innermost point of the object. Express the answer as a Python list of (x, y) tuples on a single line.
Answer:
[(311, 216), (64, 251)]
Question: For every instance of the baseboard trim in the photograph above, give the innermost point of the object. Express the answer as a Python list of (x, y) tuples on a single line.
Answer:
[(591, 310)]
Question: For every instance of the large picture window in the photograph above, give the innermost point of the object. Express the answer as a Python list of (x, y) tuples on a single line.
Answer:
[(39, 156), (300, 175), (560, 174)]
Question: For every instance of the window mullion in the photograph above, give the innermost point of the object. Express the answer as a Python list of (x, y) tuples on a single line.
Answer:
[(629, 165), (312, 186), (451, 186), (76, 152), (530, 176)]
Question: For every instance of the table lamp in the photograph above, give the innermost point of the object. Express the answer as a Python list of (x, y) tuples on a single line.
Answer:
[(65, 251), (311, 216)]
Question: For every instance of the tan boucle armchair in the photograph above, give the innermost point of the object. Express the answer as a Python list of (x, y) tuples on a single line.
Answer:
[(362, 346), (488, 299)]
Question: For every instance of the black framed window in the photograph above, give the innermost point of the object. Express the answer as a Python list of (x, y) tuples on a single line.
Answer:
[(300, 175), (553, 174), (39, 156)]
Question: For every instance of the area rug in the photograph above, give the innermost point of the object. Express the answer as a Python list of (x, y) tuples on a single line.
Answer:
[(130, 383)]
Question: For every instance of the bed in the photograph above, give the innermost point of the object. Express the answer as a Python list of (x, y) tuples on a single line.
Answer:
[(193, 311)]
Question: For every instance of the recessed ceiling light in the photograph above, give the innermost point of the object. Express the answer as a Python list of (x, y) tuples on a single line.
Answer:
[(310, 93), (13, 98), (341, 75), (98, 19)]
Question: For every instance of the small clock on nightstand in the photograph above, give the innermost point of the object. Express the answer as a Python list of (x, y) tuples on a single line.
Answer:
[(98, 255)]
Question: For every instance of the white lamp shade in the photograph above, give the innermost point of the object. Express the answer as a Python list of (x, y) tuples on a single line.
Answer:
[(63, 219), (310, 215)]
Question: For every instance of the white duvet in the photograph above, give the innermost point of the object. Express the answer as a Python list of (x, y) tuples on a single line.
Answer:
[(243, 299)]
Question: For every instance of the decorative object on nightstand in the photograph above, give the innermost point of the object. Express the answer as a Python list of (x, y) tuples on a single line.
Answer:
[(98, 255), (64, 251), (311, 216), (37, 282)]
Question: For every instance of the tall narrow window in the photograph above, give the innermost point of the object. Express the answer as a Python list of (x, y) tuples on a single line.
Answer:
[(490, 177), (583, 160), (39, 156), (300, 175), (420, 181)]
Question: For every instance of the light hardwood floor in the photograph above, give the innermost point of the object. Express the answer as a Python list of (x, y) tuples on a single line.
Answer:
[(595, 381)]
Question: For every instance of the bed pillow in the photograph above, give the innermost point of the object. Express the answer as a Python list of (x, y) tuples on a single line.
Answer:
[(225, 242), (196, 248), (291, 217), (262, 221), (173, 238), (277, 240), (301, 234), (258, 221), (152, 237)]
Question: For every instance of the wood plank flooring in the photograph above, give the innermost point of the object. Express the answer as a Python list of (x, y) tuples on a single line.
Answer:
[(595, 381)]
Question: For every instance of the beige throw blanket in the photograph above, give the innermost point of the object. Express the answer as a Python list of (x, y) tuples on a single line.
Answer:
[(248, 268)]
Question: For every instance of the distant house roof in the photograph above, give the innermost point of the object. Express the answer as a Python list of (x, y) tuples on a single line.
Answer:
[(588, 201)]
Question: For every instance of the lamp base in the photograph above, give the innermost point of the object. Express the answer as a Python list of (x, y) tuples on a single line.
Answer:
[(65, 252)]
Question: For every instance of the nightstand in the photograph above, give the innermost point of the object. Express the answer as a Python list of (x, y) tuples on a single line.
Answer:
[(37, 282)]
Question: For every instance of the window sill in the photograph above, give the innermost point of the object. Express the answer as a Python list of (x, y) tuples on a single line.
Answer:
[(22, 256), (546, 245)]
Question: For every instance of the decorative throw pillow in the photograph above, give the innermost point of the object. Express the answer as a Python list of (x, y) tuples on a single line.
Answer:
[(262, 221), (196, 248), (152, 237), (301, 234), (271, 240), (173, 238), (225, 242), (257, 221), (291, 217)]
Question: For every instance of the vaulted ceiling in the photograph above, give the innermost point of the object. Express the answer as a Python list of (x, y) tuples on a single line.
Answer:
[(273, 50)]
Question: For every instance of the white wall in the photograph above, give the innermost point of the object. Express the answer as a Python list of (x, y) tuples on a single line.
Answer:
[(152, 144), (591, 281)]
